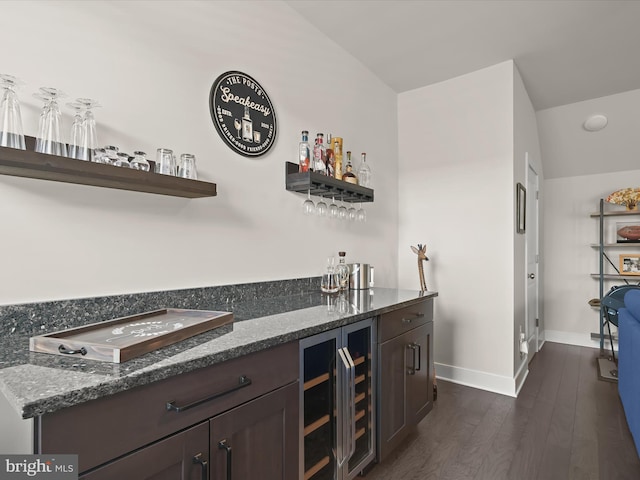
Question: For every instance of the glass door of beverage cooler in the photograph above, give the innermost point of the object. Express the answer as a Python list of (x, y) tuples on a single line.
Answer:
[(318, 409), (358, 342)]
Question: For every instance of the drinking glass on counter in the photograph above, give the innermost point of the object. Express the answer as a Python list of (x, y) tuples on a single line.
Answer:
[(188, 166), (11, 119), (49, 139)]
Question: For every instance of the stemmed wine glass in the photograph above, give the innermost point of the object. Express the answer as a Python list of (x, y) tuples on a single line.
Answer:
[(321, 208), (307, 206), (361, 214), (11, 119), (333, 208), (352, 213), (77, 129), (89, 136), (342, 211), (49, 139)]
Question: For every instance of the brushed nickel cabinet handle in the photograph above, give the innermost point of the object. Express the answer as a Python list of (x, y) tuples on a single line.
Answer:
[(243, 381), (415, 317), (412, 369)]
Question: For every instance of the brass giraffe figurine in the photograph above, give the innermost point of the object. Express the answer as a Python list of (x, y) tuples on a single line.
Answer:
[(422, 257)]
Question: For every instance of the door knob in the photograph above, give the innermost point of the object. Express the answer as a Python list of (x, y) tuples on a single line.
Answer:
[(532, 276)]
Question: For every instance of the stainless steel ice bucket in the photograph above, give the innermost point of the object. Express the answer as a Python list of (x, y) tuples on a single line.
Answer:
[(361, 276)]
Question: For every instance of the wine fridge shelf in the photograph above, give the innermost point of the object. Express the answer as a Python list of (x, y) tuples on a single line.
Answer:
[(325, 186), (316, 381), (312, 427), (316, 468), (31, 164)]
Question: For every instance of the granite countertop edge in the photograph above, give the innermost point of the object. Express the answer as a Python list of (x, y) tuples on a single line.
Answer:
[(166, 368)]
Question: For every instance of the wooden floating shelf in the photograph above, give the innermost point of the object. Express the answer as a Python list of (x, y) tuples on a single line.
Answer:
[(31, 164), (325, 186)]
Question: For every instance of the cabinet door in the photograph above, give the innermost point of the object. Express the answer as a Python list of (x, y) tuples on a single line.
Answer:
[(420, 373), (392, 403), (406, 385), (182, 456), (258, 439)]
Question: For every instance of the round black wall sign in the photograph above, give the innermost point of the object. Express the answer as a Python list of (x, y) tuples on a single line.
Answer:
[(243, 114)]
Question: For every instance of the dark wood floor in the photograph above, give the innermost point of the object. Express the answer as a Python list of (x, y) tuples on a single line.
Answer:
[(565, 424)]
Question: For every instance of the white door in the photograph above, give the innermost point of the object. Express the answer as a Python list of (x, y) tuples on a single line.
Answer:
[(532, 256)]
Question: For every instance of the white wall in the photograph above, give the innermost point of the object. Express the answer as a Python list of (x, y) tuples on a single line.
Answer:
[(456, 194), (526, 152), (151, 65), (569, 257), (570, 197)]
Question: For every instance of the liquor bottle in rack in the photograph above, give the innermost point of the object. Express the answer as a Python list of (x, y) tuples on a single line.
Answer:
[(247, 126), (364, 172), (320, 155), (343, 271), (331, 159), (304, 158), (348, 175), (336, 143)]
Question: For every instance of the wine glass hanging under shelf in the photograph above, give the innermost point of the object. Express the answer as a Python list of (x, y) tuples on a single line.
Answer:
[(324, 186)]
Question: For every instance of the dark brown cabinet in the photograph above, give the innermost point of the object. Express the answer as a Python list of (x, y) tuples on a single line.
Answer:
[(183, 456), (156, 431), (405, 373)]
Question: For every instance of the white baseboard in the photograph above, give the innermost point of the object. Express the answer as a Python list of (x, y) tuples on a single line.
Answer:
[(579, 339), (476, 379)]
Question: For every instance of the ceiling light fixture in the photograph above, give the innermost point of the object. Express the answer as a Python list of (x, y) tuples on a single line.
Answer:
[(595, 123)]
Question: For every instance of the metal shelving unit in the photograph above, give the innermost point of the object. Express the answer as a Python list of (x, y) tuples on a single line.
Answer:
[(603, 256)]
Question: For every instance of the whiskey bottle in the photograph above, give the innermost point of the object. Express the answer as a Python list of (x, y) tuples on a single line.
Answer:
[(336, 143), (247, 126), (320, 155), (304, 150), (331, 159), (364, 172), (348, 175)]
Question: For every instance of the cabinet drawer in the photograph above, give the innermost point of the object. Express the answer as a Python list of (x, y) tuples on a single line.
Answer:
[(103, 429), (394, 323)]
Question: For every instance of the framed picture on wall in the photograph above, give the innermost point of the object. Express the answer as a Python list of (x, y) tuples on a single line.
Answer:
[(521, 208), (629, 264)]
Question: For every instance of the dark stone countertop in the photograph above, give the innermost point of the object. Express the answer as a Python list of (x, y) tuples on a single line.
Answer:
[(38, 383)]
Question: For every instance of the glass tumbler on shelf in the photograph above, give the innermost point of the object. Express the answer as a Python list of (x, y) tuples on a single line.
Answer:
[(111, 155), (49, 138), (188, 166), (122, 160), (165, 162), (11, 119), (139, 161)]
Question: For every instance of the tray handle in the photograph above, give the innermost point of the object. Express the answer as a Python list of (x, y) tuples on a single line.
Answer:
[(66, 351)]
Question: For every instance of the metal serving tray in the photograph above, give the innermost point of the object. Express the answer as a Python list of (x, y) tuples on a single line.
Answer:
[(125, 338)]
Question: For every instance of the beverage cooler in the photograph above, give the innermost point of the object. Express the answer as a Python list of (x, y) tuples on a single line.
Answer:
[(337, 402)]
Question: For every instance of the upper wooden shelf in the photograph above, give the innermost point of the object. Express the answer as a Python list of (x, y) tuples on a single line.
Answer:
[(31, 164), (324, 186)]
